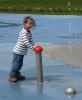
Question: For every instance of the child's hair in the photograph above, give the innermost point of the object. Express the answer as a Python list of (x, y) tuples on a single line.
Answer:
[(29, 18)]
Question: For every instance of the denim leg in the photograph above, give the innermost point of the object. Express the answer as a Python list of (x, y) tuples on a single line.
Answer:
[(17, 64)]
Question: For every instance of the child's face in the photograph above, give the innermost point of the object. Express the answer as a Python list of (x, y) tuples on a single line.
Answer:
[(28, 25)]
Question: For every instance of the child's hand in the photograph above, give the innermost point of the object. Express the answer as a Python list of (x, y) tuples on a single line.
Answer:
[(36, 45), (37, 48)]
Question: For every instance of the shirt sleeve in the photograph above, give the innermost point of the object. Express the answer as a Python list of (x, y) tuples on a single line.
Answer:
[(28, 41)]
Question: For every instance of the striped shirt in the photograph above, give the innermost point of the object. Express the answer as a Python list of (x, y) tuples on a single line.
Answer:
[(24, 42)]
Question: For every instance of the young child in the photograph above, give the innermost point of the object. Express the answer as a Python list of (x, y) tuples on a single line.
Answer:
[(24, 42)]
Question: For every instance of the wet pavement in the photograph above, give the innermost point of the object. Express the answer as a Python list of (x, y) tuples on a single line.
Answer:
[(57, 78), (57, 75)]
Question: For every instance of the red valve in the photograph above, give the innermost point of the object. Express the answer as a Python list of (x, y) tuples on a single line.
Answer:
[(38, 49)]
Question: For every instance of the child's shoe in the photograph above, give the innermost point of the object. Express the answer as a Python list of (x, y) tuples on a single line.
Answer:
[(17, 78), (13, 79), (20, 77)]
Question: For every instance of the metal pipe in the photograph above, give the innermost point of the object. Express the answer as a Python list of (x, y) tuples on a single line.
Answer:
[(39, 67), (38, 51)]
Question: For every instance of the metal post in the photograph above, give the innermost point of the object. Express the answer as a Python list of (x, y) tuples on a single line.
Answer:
[(39, 67), (38, 51)]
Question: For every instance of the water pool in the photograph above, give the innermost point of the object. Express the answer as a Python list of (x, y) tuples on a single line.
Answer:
[(50, 29)]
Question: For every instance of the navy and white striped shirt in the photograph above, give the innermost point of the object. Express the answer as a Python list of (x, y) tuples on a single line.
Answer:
[(24, 42)]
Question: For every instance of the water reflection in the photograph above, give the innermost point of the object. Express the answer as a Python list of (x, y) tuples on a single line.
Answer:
[(49, 29), (2, 34), (6, 24), (72, 36), (40, 88), (21, 87)]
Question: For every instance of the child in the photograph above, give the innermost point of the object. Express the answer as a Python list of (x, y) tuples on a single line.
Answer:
[(24, 42)]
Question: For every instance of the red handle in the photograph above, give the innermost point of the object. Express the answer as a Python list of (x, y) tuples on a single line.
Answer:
[(38, 49)]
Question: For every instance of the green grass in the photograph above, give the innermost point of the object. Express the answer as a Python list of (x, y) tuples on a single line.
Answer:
[(17, 4), (40, 3), (32, 3)]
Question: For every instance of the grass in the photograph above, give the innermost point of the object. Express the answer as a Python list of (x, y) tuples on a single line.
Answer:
[(19, 5)]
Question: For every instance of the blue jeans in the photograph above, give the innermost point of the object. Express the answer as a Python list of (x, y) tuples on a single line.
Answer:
[(17, 64)]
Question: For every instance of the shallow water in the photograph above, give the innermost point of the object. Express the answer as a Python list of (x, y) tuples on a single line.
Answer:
[(58, 76), (50, 29)]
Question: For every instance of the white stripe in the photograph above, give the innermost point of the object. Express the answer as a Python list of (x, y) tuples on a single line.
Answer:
[(24, 42)]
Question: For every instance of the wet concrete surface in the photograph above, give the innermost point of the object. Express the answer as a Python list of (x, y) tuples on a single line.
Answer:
[(57, 75)]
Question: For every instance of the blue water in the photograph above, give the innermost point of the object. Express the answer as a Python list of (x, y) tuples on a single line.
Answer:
[(50, 29)]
